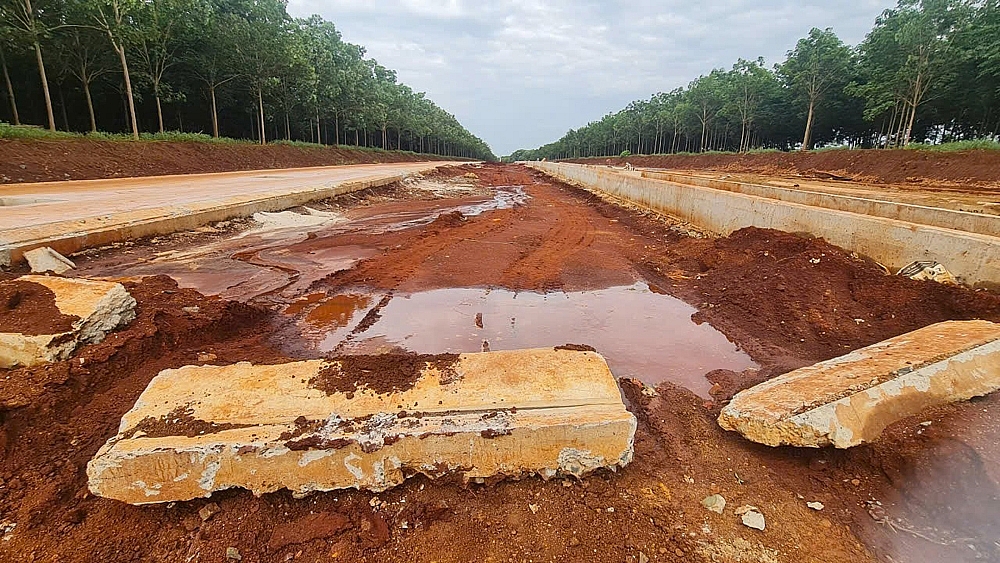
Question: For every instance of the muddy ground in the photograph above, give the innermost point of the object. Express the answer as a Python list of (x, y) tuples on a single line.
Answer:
[(920, 493), (914, 167), (86, 159)]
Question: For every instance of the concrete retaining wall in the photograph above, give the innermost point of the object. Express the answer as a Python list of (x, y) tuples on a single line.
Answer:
[(936, 216), (70, 236), (973, 258)]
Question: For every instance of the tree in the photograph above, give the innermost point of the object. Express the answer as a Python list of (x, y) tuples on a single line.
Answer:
[(819, 64), (259, 30), (26, 19), (115, 19), (160, 24), (15, 118), (81, 57)]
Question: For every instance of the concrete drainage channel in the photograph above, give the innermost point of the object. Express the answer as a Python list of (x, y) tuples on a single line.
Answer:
[(894, 235)]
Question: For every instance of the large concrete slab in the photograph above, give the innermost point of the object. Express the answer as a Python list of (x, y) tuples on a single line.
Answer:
[(196, 430), (849, 400), (100, 305), (69, 216), (974, 258)]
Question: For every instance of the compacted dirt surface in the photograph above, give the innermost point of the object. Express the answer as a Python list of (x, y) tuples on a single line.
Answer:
[(922, 492), (915, 167), (84, 159)]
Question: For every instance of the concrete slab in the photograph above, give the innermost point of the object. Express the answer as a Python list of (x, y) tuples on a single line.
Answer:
[(44, 259), (70, 216), (196, 430), (849, 400), (100, 305)]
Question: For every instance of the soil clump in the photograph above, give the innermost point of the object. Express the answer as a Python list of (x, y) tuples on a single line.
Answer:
[(30, 309)]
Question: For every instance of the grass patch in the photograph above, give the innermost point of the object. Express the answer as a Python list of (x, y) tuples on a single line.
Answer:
[(955, 146), (8, 131)]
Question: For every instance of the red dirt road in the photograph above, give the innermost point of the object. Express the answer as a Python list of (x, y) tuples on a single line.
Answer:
[(760, 288)]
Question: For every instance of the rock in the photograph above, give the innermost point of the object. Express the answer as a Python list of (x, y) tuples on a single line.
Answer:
[(199, 429), (191, 310), (815, 505), (101, 307), (574, 541), (643, 558), (209, 510), (715, 503), (753, 519), (233, 554), (45, 259), (849, 400), (533, 508)]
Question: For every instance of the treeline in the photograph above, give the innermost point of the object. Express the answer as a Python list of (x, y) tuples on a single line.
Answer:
[(928, 71), (236, 68)]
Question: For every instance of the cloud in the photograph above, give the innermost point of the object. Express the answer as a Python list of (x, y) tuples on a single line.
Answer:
[(520, 73)]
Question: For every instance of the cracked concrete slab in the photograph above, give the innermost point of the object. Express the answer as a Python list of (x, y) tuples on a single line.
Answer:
[(196, 430), (849, 400), (101, 306)]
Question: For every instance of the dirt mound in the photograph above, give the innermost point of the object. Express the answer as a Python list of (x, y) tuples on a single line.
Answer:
[(83, 159), (977, 168), (30, 309)]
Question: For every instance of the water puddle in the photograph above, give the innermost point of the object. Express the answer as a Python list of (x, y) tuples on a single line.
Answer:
[(944, 500), (642, 334), (286, 252)]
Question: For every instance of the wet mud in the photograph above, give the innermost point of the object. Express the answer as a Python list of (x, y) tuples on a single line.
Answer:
[(573, 269)]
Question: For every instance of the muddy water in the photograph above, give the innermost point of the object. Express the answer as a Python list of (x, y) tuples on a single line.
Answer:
[(944, 500), (643, 334)]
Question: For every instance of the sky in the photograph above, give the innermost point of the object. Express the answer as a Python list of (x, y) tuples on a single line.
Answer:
[(521, 73)]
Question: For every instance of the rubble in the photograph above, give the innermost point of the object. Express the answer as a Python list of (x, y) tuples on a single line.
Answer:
[(45, 259), (849, 400), (200, 429), (99, 306)]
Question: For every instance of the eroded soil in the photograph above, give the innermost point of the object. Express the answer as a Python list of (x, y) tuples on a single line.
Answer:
[(785, 300), (87, 159)]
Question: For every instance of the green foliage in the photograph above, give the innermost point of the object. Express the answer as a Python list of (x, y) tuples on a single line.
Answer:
[(928, 72), (239, 68), (625, 153), (956, 146), (8, 131)]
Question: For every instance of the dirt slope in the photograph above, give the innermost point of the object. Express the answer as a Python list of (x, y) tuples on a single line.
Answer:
[(83, 159), (976, 168)]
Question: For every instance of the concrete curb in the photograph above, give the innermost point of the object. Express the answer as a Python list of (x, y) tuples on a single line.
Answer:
[(67, 237), (973, 258)]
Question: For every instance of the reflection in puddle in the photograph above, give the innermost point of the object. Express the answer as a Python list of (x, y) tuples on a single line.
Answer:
[(642, 334), (944, 500)]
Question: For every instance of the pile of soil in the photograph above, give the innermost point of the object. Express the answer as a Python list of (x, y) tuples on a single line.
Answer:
[(84, 159), (976, 168), (30, 309)]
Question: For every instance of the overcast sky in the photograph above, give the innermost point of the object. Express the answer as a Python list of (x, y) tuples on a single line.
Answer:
[(520, 73)]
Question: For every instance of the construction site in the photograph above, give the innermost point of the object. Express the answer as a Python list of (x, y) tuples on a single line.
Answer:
[(472, 361)]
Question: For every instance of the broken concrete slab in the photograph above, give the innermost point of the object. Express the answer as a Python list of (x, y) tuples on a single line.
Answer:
[(851, 399), (100, 305), (45, 259), (200, 429)]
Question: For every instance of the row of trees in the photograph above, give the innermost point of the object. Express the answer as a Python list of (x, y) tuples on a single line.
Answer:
[(239, 68), (928, 71)]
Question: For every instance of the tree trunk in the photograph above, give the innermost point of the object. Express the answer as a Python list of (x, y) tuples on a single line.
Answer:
[(62, 107), (45, 87), (215, 112), (10, 90), (288, 127), (319, 137), (913, 114), (159, 112), (260, 106), (806, 139), (120, 49), (90, 106)]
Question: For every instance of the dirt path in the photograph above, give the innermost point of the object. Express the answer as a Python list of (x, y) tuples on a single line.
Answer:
[(762, 289)]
